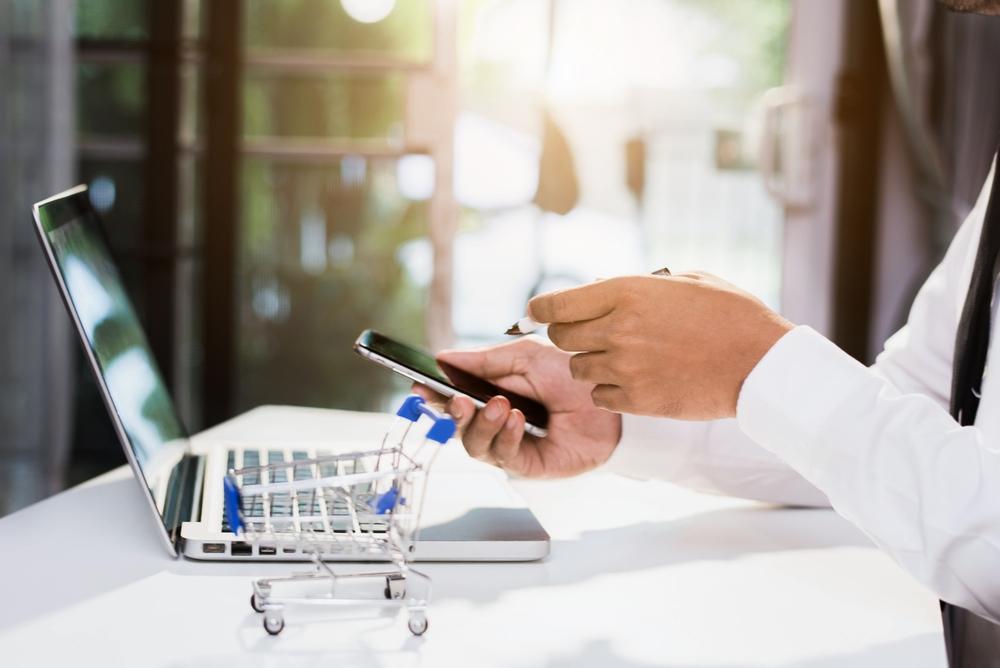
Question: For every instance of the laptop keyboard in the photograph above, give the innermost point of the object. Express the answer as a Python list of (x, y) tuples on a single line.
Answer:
[(285, 511)]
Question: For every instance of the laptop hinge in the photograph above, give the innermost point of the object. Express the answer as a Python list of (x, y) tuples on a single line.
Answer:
[(182, 495)]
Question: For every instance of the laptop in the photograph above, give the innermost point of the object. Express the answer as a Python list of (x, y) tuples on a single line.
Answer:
[(469, 515)]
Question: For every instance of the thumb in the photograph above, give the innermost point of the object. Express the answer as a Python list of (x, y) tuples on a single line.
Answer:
[(494, 362)]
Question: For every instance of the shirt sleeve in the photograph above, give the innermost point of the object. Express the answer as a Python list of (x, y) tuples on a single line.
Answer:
[(714, 457), (881, 445), (918, 358)]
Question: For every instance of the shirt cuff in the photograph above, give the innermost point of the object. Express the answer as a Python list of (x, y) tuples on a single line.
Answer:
[(788, 399), (648, 448)]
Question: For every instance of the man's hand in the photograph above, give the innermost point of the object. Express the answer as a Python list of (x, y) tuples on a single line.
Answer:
[(580, 437), (670, 346)]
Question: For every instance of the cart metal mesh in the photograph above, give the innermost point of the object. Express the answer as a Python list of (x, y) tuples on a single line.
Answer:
[(361, 505)]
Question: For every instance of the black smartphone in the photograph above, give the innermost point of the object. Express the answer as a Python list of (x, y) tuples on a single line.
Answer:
[(446, 379)]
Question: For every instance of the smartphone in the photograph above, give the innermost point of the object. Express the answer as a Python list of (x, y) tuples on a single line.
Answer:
[(446, 379)]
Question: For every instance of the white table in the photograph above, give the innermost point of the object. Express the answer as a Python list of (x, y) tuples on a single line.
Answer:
[(641, 574)]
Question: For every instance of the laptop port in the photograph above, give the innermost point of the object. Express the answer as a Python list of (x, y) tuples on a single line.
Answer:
[(213, 548), (267, 549), (242, 549), (289, 550)]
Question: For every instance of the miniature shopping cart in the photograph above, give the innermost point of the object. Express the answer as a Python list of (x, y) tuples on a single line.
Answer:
[(358, 506)]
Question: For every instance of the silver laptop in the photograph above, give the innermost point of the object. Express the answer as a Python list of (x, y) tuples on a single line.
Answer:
[(469, 516)]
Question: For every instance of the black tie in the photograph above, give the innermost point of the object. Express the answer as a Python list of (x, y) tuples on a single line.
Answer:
[(971, 640)]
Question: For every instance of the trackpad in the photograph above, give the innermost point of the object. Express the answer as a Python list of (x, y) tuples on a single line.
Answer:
[(476, 507)]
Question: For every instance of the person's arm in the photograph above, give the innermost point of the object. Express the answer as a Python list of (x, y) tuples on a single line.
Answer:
[(881, 444), (718, 457), (878, 442), (714, 457)]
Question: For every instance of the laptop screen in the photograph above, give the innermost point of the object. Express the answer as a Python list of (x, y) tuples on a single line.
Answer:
[(118, 348)]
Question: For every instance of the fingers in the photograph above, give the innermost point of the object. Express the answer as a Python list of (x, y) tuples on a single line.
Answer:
[(591, 368), (484, 426), (462, 410), (587, 335), (609, 397), (494, 434), (508, 441), (585, 302), (493, 362)]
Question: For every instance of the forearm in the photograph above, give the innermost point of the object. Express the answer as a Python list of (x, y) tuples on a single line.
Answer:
[(924, 489), (715, 457)]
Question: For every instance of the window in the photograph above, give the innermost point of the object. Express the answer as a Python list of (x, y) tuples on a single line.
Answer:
[(331, 237), (278, 176), (645, 118)]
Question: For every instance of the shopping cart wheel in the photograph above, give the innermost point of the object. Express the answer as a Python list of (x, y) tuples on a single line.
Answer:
[(395, 587), (257, 607), (418, 624), (274, 624)]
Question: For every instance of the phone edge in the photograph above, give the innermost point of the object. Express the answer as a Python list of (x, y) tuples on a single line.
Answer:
[(445, 390)]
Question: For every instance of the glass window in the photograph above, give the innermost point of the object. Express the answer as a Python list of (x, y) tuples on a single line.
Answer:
[(397, 28), (112, 19), (624, 144), (192, 17), (190, 103), (111, 99), (282, 104), (116, 192), (325, 252), (329, 246)]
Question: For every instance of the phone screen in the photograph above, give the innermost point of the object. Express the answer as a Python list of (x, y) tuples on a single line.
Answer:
[(446, 374)]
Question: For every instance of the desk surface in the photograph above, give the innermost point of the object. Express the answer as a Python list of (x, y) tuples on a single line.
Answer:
[(641, 574)]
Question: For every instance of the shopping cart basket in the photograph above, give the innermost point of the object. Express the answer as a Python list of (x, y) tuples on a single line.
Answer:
[(364, 506)]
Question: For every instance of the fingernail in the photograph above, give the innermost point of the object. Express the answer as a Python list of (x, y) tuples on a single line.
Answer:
[(493, 409), (511, 422), (455, 411)]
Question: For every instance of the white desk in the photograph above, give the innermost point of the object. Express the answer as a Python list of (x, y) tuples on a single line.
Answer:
[(641, 574)]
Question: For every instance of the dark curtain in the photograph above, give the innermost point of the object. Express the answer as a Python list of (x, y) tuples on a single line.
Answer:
[(965, 105)]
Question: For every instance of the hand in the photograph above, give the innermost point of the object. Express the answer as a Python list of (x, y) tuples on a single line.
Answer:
[(671, 346), (580, 436)]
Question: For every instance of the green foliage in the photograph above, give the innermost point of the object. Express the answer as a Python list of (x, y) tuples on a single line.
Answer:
[(111, 99), (329, 105), (323, 24), (303, 354), (112, 19)]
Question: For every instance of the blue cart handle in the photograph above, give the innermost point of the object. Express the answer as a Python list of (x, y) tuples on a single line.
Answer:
[(232, 502), (444, 426)]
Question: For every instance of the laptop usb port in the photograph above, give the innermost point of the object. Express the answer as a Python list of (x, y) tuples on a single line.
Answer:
[(289, 550), (213, 548), (267, 549), (241, 550)]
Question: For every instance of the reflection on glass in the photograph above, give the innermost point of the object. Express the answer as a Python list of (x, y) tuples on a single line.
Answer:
[(123, 210), (119, 346)]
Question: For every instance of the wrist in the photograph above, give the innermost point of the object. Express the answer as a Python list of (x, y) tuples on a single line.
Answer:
[(772, 330), (767, 331)]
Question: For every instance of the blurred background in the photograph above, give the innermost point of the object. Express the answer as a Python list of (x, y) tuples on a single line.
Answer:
[(277, 176)]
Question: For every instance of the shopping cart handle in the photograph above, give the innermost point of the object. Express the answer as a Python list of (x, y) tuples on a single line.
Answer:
[(232, 502), (444, 426), (386, 501)]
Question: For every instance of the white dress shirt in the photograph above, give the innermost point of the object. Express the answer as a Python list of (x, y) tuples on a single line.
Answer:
[(814, 426)]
